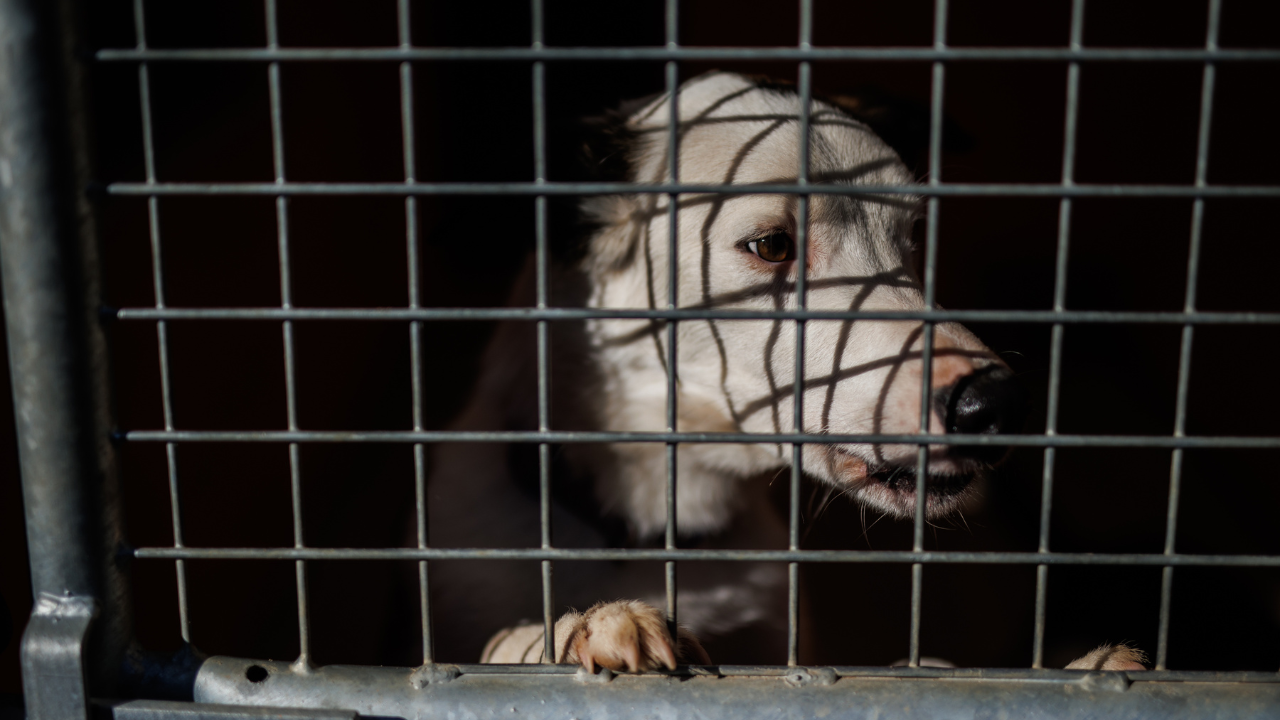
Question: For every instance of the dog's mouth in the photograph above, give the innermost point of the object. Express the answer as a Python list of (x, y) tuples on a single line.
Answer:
[(892, 487), (902, 479)]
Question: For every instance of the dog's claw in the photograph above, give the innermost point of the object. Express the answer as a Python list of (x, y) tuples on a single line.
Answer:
[(666, 654)]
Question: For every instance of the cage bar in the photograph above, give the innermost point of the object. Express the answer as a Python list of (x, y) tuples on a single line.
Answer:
[(672, 70), (1055, 341), (543, 691), (404, 35), (58, 364), (687, 554), (752, 691), (986, 316), (1184, 352), (519, 54), (926, 350), (286, 302), (618, 188), (544, 340), (162, 330), (577, 436), (805, 87)]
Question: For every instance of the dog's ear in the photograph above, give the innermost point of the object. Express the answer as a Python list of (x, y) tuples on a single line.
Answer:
[(901, 122), (606, 142), (597, 148)]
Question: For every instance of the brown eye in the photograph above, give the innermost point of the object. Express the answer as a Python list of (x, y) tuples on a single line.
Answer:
[(774, 248)]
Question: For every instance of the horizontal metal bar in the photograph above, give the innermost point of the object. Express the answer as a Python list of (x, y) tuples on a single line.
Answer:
[(507, 313), (402, 189), (529, 54), (709, 555), (560, 691), (575, 436), (174, 710)]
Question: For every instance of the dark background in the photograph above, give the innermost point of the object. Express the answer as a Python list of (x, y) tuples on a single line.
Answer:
[(1138, 124)]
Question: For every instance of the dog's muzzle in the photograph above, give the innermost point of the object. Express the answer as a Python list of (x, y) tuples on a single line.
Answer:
[(988, 401)]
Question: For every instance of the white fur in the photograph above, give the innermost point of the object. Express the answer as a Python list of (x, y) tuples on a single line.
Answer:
[(842, 256)]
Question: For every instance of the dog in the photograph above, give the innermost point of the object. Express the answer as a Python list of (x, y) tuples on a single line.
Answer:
[(733, 251)]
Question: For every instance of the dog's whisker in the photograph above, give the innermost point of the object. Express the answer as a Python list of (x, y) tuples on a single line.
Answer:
[(866, 531)]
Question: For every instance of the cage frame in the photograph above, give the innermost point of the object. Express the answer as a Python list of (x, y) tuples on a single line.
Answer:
[(77, 648)]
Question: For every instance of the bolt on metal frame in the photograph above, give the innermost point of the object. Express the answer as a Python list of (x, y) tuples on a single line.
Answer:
[(223, 689)]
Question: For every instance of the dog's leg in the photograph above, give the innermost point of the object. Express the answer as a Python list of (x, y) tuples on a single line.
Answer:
[(620, 635)]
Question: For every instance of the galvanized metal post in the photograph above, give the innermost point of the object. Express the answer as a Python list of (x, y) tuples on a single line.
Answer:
[(58, 359)]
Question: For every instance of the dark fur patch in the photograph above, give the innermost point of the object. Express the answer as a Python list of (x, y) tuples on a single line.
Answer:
[(570, 491), (596, 148)]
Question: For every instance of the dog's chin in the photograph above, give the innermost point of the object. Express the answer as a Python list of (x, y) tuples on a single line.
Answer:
[(891, 488)]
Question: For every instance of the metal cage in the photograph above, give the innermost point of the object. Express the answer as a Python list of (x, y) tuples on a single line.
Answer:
[(77, 646)]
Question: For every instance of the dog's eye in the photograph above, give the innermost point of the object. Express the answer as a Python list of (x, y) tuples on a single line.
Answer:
[(774, 248)]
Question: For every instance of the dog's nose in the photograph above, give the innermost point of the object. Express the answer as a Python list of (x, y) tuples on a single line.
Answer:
[(989, 401)]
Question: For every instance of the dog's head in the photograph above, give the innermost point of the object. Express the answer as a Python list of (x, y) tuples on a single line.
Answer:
[(739, 251)]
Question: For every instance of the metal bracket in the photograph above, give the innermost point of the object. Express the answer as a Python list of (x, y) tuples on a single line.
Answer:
[(1106, 681), (801, 677), (605, 675), (433, 674), (53, 657)]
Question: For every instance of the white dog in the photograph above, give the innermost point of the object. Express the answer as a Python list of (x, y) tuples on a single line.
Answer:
[(735, 251)]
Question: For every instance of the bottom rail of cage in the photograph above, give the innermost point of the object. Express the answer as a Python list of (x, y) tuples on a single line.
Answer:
[(272, 689)]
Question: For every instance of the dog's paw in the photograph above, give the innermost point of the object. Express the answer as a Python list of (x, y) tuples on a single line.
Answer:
[(1111, 657), (624, 635)]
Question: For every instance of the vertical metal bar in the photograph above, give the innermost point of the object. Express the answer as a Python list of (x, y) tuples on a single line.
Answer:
[(805, 79), (286, 301), (1055, 343), (162, 330), (673, 295), (415, 327), (1184, 355), (926, 351), (58, 365), (544, 359)]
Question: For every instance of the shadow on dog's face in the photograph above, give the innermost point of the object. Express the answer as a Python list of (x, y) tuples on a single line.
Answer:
[(742, 251)]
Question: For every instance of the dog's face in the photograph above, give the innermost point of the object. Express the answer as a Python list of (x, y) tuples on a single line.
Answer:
[(738, 251)]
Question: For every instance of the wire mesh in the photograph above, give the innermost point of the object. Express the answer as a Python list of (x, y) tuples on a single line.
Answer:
[(405, 53)]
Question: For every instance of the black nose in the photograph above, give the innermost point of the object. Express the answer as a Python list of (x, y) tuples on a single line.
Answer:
[(989, 401)]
